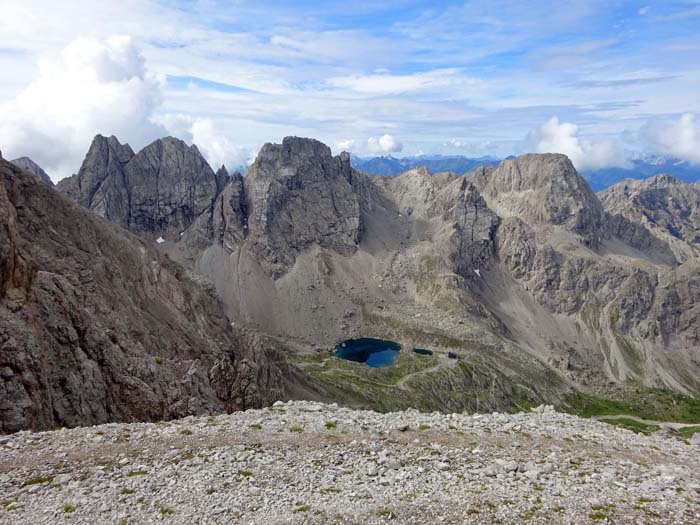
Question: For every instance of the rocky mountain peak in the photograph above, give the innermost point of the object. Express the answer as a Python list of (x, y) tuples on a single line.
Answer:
[(284, 183), (158, 191), (666, 206), (222, 173), (29, 165), (542, 189)]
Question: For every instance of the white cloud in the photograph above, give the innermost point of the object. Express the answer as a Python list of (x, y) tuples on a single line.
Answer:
[(216, 147), (345, 145), (456, 143), (562, 137), (383, 144), (93, 86), (680, 139)]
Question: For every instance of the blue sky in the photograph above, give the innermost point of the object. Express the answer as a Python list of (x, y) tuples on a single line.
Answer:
[(600, 81)]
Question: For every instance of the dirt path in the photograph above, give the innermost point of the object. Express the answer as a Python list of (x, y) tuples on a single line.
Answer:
[(442, 363)]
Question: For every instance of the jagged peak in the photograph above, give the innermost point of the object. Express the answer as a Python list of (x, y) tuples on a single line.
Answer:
[(222, 171), (100, 143)]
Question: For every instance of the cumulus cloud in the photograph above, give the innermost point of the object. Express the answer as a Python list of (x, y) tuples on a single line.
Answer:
[(216, 147), (383, 144), (680, 139), (93, 86), (562, 137)]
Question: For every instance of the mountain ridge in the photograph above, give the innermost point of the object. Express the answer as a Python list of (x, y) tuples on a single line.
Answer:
[(518, 271), (598, 179)]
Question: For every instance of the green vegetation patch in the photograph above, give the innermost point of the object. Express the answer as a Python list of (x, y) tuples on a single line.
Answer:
[(36, 481), (646, 403), (687, 432), (631, 424)]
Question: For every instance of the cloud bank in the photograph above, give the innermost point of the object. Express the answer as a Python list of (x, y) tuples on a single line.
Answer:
[(680, 139), (562, 137), (93, 86)]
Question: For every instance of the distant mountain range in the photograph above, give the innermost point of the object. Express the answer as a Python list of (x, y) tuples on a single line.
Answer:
[(598, 179), (434, 163)]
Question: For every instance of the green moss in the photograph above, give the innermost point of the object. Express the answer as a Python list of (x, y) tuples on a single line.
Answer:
[(68, 508), (296, 429), (123, 522), (244, 473), (165, 511), (136, 473), (186, 432), (423, 426), (256, 426), (599, 516), (302, 508), (126, 492), (37, 481), (330, 425)]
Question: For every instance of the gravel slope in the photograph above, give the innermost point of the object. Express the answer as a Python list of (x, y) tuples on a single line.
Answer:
[(303, 462)]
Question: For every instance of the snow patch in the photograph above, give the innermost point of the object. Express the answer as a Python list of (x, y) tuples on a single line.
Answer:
[(477, 272), (160, 240)]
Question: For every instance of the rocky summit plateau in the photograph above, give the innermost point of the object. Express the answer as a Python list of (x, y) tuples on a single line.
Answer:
[(302, 462), (172, 305)]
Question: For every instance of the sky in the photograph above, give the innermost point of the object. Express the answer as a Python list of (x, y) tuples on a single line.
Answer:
[(601, 81)]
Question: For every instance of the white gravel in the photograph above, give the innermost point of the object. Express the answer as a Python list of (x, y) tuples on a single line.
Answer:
[(303, 462)]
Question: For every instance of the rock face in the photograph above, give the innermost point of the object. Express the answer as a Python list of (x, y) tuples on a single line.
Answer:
[(667, 207), (97, 326), (542, 189), (157, 192), (298, 195), (27, 164)]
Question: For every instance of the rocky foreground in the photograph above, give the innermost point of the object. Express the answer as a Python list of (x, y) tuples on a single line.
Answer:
[(304, 462)]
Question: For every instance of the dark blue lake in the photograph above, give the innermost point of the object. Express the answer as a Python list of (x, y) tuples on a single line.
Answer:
[(372, 352)]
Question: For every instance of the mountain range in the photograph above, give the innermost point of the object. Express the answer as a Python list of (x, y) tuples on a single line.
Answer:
[(148, 286), (598, 179)]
